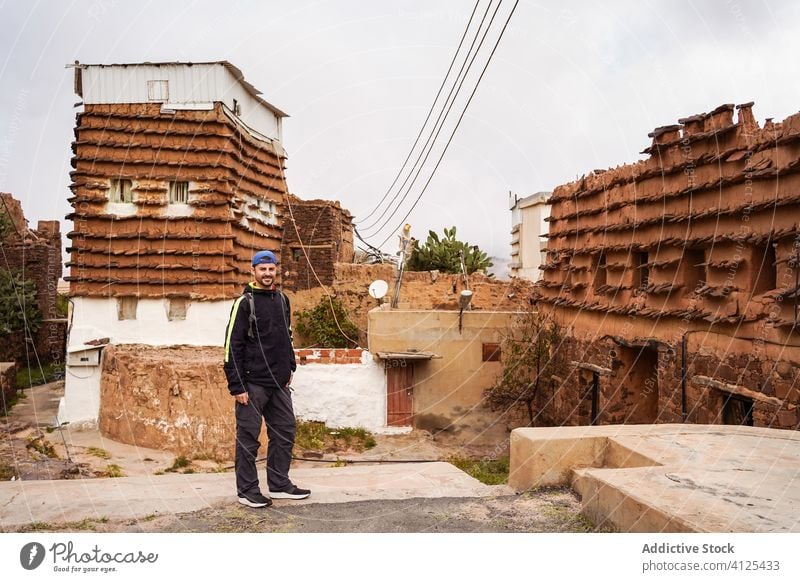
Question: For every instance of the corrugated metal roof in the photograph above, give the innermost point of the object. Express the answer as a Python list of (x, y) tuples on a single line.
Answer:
[(235, 71)]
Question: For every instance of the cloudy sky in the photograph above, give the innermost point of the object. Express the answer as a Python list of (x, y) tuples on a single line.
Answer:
[(573, 86)]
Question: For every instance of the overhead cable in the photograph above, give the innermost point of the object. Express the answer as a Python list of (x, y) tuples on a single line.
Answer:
[(427, 117), (441, 119), (447, 145)]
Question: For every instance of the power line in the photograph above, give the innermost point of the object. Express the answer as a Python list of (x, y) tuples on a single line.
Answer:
[(447, 145), (427, 117), (452, 95), (439, 126)]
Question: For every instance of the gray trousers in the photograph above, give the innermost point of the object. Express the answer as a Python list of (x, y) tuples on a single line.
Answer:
[(274, 406)]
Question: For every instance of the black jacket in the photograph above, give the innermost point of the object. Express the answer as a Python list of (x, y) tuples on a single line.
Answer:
[(266, 359)]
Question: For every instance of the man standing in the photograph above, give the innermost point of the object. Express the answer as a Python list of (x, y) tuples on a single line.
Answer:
[(259, 362)]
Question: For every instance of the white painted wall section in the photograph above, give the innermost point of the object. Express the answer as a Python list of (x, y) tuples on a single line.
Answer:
[(95, 318), (342, 395), (194, 86)]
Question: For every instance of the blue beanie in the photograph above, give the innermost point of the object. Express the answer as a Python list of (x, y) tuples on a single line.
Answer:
[(264, 257)]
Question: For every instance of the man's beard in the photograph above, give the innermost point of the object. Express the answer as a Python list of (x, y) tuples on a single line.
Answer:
[(267, 281)]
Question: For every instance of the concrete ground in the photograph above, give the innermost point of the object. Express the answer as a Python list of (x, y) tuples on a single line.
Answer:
[(669, 477), (130, 498), (408, 497)]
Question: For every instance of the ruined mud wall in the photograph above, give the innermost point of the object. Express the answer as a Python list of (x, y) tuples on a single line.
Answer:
[(318, 234), (420, 290), (149, 247), (643, 258), (167, 398), (176, 398), (37, 254), (717, 368)]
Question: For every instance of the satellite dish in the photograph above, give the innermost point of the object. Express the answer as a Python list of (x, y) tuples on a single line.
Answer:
[(378, 289)]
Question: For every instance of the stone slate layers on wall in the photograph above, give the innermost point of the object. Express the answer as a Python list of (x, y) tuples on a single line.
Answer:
[(325, 232), (695, 245), (236, 190), (37, 254)]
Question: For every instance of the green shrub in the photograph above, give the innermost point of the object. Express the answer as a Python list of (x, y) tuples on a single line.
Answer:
[(444, 254), (18, 307), (313, 435), (35, 375), (327, 325), (488, 471)]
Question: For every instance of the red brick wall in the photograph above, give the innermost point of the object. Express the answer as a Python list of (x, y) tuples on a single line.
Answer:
[(328, 356)]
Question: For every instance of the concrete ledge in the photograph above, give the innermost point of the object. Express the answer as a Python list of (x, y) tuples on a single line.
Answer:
[(670, 478)]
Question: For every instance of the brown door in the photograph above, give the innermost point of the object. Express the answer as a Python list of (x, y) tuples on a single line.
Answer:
[(399, 383)]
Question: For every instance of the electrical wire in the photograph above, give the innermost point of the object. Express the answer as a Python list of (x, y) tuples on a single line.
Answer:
[(427, 117), (441, 119), (447, 145), (287, 196)]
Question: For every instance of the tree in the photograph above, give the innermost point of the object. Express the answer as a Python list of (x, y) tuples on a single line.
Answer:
[(6, 226), (533, 358), (18, 308), (443, 254), (327, 325)]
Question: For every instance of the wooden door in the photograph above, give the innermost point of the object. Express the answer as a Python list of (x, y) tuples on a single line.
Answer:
[(399, 386)]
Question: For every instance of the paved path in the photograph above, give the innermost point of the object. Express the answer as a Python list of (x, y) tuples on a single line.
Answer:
[(25, 502)]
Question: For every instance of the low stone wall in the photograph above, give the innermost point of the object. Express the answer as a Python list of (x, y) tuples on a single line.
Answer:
[(176, 398)]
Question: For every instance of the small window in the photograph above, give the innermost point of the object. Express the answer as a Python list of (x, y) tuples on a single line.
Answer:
[(491, 353), (600, 271), (297, 254), (126, 307), (765, 276), (158, 90), (643, 274), (179, 192), (177, 308), (695, 269), (121, 191)]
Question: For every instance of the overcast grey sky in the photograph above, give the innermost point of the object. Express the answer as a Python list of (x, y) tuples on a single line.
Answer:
[(573, 86)]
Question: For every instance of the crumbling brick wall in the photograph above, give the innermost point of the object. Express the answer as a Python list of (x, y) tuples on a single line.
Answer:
[(318, 234), (677, 276)]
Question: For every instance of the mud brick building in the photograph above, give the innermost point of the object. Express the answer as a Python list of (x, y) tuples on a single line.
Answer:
[(37, 255), (178, 178), (318, 234), (675, 279)]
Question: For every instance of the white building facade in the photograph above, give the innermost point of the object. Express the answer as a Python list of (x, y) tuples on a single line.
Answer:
[(528, 224)]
